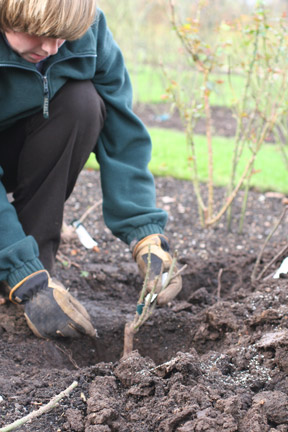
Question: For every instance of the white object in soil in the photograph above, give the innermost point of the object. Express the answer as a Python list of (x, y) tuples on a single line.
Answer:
[(282, 269), (85, 238)]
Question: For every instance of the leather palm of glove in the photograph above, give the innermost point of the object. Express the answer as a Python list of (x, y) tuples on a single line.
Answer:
[(50, 310), (161, 261)]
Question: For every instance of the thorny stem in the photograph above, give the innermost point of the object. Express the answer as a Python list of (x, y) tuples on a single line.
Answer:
[(201, 206), (253, 276), (184, 41), (245, 200), (282, 138), (232, 194), (132, 327), (146, 279), (237, 149), (44, 409), (205, 70), (209, 144), (269, 75), (250, 163), (178, 273), (189, 122), (245, 137), (245, 124), (139, 319), (147, 309), (170, 273)]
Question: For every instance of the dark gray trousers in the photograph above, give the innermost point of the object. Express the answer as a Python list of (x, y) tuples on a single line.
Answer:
[(42, 158)]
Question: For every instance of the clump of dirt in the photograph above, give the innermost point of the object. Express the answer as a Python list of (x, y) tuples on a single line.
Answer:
[(215, 359)]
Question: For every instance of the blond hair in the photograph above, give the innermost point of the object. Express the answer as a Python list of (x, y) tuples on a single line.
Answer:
[(63, 19)]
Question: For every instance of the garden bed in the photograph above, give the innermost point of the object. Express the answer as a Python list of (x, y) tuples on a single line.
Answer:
[(215, 359)]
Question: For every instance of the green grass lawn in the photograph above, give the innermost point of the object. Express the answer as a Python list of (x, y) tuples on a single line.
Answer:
[(170, 158), (149, 85)]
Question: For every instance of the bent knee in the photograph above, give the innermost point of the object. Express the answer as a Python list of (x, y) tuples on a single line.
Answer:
[(81, 102)]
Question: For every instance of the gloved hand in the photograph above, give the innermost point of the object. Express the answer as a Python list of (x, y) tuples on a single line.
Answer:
[(50, 310), (160, 263)]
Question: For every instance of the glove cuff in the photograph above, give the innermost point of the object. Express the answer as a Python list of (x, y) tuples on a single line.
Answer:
[(152, 239), (28, 287)]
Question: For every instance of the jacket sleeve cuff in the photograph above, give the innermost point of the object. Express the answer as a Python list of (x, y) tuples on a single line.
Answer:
[(19, 260), (144, 231), (21, 273)]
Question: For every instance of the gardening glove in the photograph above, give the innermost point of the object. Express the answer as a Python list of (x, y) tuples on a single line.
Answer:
[(161, 261), (50, 310)]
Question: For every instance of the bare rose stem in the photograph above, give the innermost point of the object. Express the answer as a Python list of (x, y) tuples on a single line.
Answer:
[(132, 327), (129, 329), (44, 409)]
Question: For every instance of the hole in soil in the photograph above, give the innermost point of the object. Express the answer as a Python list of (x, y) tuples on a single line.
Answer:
[(196, 320)]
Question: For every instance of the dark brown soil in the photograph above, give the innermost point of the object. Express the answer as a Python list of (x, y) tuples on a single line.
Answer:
[(161, 115), (215, 359), (223, 120)]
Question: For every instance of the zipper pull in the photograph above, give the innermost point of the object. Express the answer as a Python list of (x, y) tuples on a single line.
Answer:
[(46, 98)]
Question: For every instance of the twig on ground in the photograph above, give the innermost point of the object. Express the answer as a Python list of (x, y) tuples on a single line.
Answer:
[(63, 259), (219, 284), (253, 276), (279, 254), (44, 409), (89, 210)]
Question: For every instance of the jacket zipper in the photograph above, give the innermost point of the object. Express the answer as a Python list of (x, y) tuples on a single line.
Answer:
[(46, 97), (45, 82), (44, 79)]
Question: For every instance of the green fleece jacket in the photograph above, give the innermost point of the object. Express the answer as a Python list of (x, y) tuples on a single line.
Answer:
[(123, 149)]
